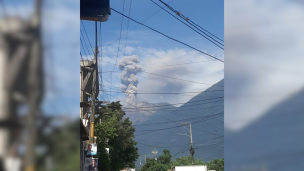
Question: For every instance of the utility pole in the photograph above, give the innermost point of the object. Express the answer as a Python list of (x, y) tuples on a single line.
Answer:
[(155, 152), (93, 97), (191, 150), (34, 89), (146, 158), (191, 142)]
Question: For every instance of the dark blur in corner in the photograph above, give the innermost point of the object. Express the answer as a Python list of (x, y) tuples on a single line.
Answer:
[(264, 85), (39, 130)]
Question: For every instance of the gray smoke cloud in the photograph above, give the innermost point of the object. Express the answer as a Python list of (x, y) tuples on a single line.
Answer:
[(130, 66)]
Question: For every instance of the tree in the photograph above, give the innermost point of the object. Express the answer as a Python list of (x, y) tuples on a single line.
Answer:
[(186, 161), (62, 147), (216, 164), (120, 132), (165, 158), (164, 163), (161, 164)]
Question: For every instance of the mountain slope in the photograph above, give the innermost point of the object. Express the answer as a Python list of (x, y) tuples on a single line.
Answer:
[(204, 111)]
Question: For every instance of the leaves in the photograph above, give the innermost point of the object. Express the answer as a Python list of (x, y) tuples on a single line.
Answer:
[(164, 163), (120, 132), (216, 164)]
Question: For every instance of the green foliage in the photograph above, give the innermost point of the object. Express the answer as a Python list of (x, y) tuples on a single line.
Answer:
[(164, 163), (186, 161), (120, 132), (62, 147), (153, 165), (165, 158), (161, 164), (216, 164)]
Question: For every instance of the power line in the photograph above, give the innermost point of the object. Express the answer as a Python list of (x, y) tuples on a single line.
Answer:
[(158, 115), (168, 36), (172, 77), (164, 93), (127, 28), (123, 7), (160, 146), (100, 68), (176, 103), (178, 79), (87, 35), (137, 25), (166, 65), (81, 58), (84, 49), (171, 109), (182, 151), (164, 110), (173, 121), (170, 92), (187, 19), (178, 64), (193, 28), (161, 129), (85, 43)]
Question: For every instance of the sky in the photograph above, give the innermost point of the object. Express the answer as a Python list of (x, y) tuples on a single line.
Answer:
[(155, 50), (254, 39), (61, 34)]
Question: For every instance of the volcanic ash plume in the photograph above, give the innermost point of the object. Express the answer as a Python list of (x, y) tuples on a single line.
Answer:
[(130, 66)]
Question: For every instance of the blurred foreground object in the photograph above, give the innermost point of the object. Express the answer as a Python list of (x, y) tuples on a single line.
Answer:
[(21, 87), (264, 83)]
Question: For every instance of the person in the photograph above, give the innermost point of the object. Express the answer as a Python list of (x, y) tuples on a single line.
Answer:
[(89, 151), (93, 166)]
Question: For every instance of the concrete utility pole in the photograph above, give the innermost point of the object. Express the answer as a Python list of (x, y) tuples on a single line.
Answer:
[(21, 83), (34, 98), (191, 135), (93, 97), (155, 152), (146, 158), (191, 150)]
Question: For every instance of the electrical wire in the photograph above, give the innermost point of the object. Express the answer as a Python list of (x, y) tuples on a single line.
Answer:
[(127, 28), (187, 19), (174, 78), (87, 35), (193, 28), (137, 25), (123, 7), (176, 103), (168, 36), (86, 54)]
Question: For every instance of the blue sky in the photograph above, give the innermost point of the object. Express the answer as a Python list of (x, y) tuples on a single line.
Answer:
[(208, 14), (154, 49), (61, 25)]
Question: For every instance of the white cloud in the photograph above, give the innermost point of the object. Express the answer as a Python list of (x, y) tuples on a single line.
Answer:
[(153, 61)]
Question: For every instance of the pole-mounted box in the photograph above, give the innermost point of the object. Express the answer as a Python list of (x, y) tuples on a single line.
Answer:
[(95, 10)]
